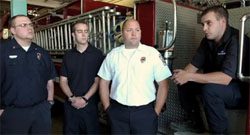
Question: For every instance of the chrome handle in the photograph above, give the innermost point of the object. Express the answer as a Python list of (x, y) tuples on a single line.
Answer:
[(241, 46)]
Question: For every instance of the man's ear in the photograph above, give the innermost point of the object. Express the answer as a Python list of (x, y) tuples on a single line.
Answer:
[(12, 30), (224, 20)]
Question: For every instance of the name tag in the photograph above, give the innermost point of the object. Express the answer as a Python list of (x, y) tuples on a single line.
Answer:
[(12, 56)]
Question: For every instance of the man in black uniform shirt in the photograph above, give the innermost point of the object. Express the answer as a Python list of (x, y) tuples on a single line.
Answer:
[(27, 88), (79, 82), (217, 56)]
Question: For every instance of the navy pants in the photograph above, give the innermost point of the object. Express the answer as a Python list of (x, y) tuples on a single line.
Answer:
[(81, 121), (26, 120), (132, 120), (216, 98)]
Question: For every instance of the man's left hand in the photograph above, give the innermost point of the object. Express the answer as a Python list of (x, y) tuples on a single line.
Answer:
[(180, 76), (78, 103)]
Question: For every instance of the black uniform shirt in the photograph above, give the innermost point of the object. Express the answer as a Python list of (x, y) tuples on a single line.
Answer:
[(81, 68), (223, 57), (24, 75)]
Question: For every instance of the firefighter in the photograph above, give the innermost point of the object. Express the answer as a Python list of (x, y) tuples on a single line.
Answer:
[(132, 68), (217, 84), (27, 88), (79, 82)]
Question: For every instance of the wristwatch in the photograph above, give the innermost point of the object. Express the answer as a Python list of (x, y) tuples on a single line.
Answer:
[(51, 102), (85, 99)]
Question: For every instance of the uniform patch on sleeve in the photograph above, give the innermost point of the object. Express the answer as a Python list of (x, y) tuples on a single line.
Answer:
[(163, 60)]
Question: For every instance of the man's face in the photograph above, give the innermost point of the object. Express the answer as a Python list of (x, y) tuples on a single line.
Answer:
[(81, 34), (213, 27), (131, 34), (22, 28)]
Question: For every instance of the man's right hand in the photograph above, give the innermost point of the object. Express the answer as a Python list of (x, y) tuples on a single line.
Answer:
[(1, 111), (180, 76), (106, 107)]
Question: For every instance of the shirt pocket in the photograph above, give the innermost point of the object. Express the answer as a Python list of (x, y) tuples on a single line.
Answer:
[(12, 68), (12, 63)]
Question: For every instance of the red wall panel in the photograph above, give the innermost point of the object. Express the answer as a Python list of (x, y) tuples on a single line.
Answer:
[(145, 13)]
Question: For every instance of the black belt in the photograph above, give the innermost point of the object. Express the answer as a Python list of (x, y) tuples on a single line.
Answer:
[(27, 106), (114, 102)]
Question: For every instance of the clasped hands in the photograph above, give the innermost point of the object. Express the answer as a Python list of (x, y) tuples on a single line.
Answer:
[(78, 102), (180, 76)]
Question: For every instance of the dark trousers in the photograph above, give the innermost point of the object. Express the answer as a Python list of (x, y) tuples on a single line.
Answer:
[(81, 121), (132, 120), (26, 120), (215, 99)]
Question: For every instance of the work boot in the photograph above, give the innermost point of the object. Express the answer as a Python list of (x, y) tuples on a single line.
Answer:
[(187, 126)]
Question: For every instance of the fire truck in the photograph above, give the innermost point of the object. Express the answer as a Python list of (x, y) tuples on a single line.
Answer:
[(173, 27)]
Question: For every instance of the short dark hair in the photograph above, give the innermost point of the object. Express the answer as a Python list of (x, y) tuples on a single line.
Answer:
[(220, 11), (78, 22), (12, 19)]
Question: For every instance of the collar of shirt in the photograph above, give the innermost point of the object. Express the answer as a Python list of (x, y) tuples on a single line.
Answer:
[(14, 45), (220, 49), (140, 48), (229, 32), (89, 49)]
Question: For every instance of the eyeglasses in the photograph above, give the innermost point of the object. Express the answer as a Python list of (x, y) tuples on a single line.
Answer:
[(24, 25)]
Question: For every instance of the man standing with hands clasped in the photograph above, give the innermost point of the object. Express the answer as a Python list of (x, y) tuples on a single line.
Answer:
[(79, 82)]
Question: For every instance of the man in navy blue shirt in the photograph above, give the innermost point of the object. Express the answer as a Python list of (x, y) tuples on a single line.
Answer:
[(27, 88), (79, 82), (218, 85)]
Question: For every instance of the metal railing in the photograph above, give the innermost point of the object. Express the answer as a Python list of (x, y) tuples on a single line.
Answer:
[(56, 37), (240, 59)]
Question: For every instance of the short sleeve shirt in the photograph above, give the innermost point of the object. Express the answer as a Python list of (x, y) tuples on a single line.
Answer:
[(24, 74), (81, 68), (133, 77), (222, 57)]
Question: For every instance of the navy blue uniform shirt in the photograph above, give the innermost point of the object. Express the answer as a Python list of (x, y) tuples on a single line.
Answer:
[(222, 57), (81, 68), (24, 75)]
